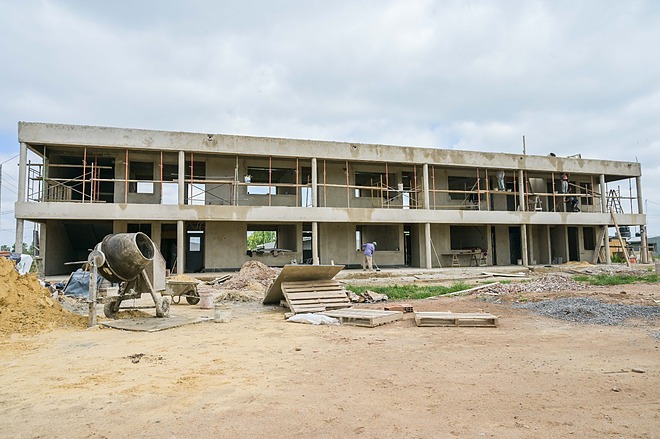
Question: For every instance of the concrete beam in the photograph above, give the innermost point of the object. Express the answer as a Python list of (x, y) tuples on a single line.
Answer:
[(264, 214), (199, 143)]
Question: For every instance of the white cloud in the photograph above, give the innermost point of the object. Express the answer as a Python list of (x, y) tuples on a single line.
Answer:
[(573, 77)]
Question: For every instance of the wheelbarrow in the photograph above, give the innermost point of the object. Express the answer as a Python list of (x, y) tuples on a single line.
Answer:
[(178, 289)]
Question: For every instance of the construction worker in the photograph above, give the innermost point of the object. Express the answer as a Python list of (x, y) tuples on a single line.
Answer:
[(564, 183), (369, 249)]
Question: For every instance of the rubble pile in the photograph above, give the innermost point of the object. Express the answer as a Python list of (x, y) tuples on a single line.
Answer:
[(543, 284), (250, 284), (26, 306)]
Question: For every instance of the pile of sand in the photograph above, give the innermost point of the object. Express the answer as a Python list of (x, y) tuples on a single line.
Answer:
[(250, 284), (26, 306), (251, 273), (184, 278)]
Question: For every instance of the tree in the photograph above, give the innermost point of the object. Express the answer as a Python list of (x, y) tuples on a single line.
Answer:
[(259, 238)]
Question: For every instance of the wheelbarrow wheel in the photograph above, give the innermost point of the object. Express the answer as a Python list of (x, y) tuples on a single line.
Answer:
[(192, 298)]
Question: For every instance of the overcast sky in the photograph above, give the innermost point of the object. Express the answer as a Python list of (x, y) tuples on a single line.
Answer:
[(572, 76)]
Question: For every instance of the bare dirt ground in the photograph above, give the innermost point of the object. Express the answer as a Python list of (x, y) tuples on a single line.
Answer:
[(259, 376)]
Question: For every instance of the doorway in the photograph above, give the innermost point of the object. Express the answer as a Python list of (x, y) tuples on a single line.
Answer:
[(573, 244), (515, 242), (195, 250)]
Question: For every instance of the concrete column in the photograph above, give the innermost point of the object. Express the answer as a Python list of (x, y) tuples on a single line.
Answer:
[(182, 177), (18, 244), (425, 176), (606, 237), (523, 244), (530, 243), (427, 245), (22, 195), (644, 246), (22, 174), (315, 243), (180, 247), (549, 241), (156, 230), (603, 194), (603, 207), (315, 184), (521, 192)]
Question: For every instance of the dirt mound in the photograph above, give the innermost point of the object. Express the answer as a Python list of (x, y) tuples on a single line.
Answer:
[(250, 284), (251, 272), (26, 306)]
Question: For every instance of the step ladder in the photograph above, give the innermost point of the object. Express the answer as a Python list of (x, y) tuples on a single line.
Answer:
[(614, 202)]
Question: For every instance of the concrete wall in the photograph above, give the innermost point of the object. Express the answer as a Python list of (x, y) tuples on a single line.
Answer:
[(56, 245), (538, 245), (337, 243), (442, 242), (219, 168), (502, 250), (558, 242), (226, 245)]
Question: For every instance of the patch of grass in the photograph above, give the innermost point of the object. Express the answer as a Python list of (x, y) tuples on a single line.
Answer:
[(399, 292), (617, 279)]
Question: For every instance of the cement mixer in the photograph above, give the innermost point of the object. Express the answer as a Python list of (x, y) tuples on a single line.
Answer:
[(132, 261)]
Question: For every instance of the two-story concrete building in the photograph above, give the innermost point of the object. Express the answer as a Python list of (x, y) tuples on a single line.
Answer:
[(199, 196)]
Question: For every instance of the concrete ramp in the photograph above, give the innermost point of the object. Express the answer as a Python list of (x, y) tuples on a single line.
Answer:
[(299, 273)]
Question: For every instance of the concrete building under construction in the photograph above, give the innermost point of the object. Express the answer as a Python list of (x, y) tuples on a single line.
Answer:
[(199, 196)]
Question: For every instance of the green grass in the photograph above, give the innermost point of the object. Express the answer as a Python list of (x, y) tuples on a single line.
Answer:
[(398, 292), (618, 279)]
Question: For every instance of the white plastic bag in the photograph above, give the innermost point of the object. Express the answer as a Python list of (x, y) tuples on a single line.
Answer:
[(313, 319)]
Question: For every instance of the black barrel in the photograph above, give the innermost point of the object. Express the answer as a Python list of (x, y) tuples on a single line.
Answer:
[(126, 255)]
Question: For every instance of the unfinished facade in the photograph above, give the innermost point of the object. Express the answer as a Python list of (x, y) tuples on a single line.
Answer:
[(199, 196)]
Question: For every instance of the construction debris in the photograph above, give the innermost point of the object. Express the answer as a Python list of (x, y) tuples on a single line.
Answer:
[(545, 283), (249, 285), (367, 296), (403, 307), (252, 272)]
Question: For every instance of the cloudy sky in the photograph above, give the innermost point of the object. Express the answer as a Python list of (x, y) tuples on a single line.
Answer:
[(572, 76)]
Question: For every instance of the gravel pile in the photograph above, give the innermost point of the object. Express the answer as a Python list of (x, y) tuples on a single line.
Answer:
[(587, 310), (545, 283)]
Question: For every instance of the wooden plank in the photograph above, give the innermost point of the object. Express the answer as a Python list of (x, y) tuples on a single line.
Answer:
[(316, 295), (314, 289), (308, 285), (299, 273), (364, 317), (313, 296), (455, 319), (599, 245), (621, 241)]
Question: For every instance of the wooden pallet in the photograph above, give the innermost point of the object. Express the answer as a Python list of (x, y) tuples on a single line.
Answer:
[(314, 296), (364, 317), (455, 319)]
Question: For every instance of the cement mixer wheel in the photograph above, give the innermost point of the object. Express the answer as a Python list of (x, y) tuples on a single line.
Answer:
[(111, 309)]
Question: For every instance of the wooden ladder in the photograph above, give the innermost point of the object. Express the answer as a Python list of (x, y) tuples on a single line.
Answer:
[(614, 202)]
